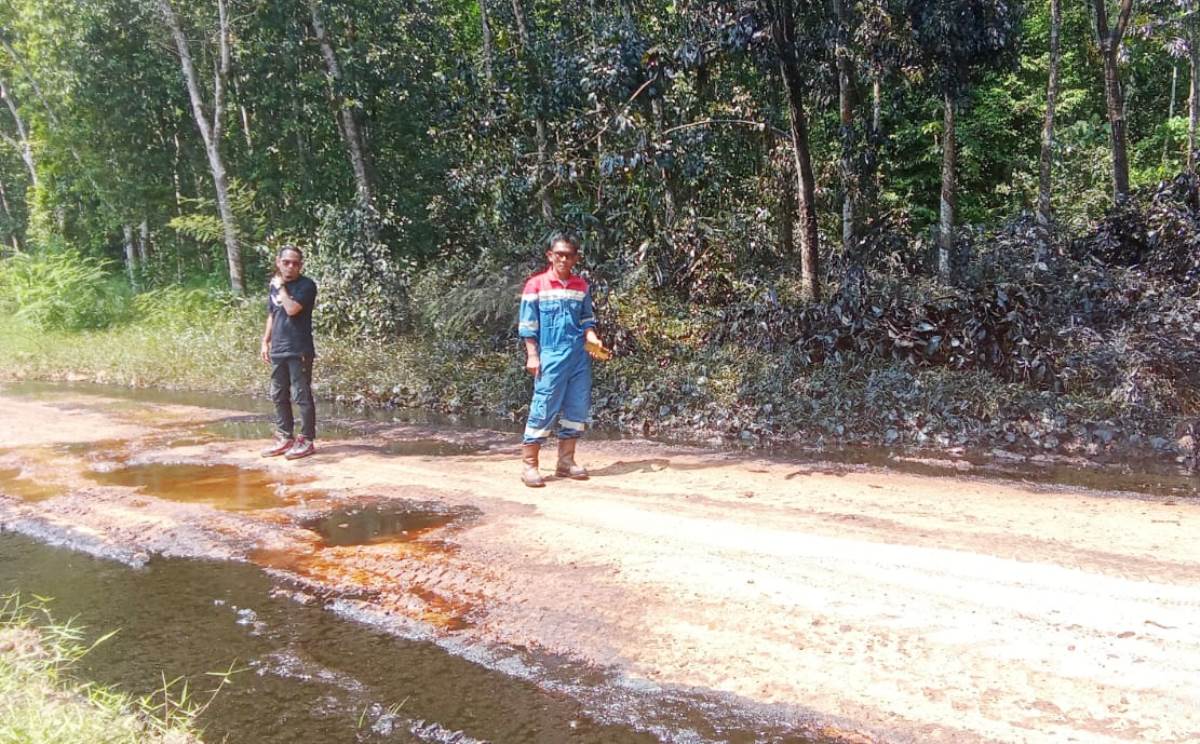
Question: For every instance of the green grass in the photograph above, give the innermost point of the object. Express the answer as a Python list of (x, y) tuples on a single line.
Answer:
[(42, 702)]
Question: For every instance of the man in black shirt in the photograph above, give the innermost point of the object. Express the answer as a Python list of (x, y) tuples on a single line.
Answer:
[(287, 345)]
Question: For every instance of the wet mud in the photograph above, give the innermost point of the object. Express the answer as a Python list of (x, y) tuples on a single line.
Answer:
[(681, 594)]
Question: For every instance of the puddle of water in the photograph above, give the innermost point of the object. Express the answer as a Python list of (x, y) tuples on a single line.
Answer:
[(371, 524), (222, 486), (27, 489), (309, 676), (312, 677), (1143, 477), (258, 427), (430, 448)]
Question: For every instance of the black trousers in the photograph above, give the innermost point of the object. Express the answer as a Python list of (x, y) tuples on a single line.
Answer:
[(291, 382)]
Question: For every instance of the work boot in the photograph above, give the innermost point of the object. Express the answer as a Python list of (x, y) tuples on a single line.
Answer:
[(529, 460), (302, 448), (282, 444), (566, 461)]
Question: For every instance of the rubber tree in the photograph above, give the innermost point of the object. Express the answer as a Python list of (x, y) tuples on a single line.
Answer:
[(533, 80), (209, 121), (1045, 161), (20, 142), (349, 116), (955, 40), (781, 19), (1109, 37), (870, 40)]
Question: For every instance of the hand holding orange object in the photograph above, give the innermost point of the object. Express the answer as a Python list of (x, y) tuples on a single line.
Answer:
[(597, 351)]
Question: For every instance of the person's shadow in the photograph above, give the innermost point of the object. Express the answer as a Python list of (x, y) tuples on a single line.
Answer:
[(621, 467)]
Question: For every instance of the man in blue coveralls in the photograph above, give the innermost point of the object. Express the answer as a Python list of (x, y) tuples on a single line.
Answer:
[(556, 321)]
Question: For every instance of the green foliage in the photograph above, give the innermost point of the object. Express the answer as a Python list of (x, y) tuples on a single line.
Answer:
[(204, 224), (362, 284), (181, 307), (61, 290), (464, 302)]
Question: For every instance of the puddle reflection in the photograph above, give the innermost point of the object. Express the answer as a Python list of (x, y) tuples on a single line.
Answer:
[(222, 486), (377, 523)]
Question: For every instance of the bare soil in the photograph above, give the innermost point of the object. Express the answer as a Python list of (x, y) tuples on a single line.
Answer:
[(874, 605)]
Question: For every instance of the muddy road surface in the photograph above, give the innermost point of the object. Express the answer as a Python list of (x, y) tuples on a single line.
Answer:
[(832, 603)]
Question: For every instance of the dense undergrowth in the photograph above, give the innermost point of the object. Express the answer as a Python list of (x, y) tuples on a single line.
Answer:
[(1087, 343)]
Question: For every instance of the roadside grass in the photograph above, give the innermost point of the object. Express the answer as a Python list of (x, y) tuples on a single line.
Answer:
[(42, 702)]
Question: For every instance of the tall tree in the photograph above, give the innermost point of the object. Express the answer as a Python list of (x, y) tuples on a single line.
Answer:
[(957, 38), (535, 83), (1047, 156), (210, 126), (9, 219), (781, 19), (21, 142), (348, 114), (846, 118), (1191, 11), (1109, 39), (488, 42)]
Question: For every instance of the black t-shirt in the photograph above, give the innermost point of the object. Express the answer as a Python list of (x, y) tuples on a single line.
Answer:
[(291, 335)]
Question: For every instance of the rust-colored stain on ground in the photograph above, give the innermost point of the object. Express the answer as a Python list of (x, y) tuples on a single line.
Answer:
[(374, 552), (222, 486)]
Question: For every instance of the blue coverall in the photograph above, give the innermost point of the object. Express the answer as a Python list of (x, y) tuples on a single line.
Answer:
[(558, 314)]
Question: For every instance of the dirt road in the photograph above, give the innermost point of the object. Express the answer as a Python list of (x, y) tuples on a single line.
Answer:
[(867, 604)]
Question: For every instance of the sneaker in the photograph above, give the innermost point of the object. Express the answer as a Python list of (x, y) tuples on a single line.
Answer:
[(302, 448), (282, 445)]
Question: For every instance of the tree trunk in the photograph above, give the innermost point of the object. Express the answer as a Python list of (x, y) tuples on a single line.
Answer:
[(348, 120), (1170, 112), (539, 122), (177, 182), (23, 145), (784, 34), (1043, 205), (130, 256), (1114, 100), (54, 121), (669, 209), (1194, 99), (787, 214), (1115, 105), (946, 221), (210, 132), (245, 116), (12, 233), (849, 146), (876, 130), (143, 243), (485, 27)]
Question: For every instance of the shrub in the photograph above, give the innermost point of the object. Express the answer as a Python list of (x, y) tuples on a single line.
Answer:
[(61, 290), (363, 286)]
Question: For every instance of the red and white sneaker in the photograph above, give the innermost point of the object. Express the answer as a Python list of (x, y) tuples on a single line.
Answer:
[(302, 448), (281, 446)]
